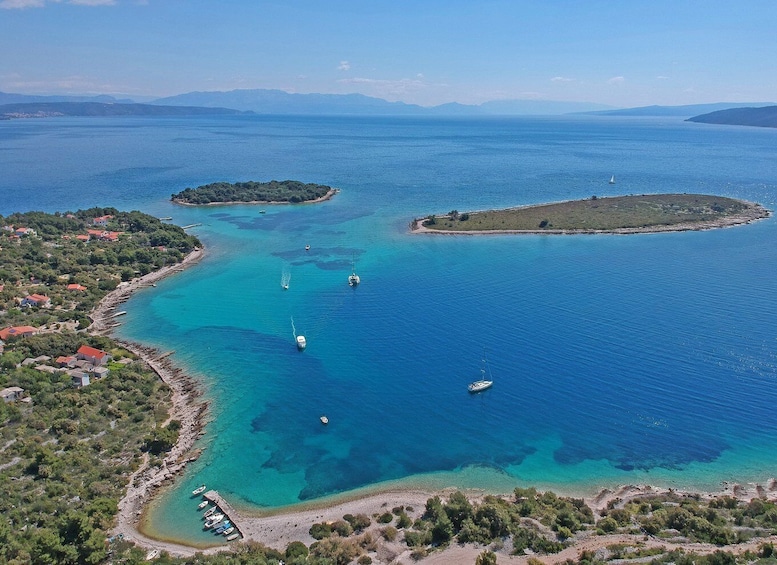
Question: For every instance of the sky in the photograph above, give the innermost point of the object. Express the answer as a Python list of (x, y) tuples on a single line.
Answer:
[(621, 53)]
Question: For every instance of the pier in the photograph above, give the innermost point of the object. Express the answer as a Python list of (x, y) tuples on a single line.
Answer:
[(190, 226), (226, 508)]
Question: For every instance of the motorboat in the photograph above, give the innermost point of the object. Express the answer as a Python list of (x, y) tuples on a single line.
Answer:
[(233, 536), (199, 490), (203, 504), (228, 531), (301, 342), (209, 512), (324, 420)]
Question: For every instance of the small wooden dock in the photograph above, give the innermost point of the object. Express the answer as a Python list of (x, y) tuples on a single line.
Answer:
[(226, 508)]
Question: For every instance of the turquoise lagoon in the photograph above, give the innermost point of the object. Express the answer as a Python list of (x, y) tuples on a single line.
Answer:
[(616, 359)]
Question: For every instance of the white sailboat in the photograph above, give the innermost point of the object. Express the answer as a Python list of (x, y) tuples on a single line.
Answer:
[(353, 278), (483, 383), (612, 179)]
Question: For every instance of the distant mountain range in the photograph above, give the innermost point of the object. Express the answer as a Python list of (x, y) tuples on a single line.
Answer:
[(263, 101), (50, 109), (765, 117), (678, 111)]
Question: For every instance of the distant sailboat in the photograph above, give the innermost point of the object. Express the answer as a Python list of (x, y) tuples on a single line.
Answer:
[(353, 278), (612, 179), (483, 383)]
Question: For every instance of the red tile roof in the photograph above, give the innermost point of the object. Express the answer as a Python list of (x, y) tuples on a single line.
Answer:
[(87, 351), (16, 330)]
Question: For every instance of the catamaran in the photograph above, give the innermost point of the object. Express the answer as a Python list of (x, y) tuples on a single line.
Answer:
[(353, 278)]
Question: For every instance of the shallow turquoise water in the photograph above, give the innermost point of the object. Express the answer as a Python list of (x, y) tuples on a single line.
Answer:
[(616, 359)]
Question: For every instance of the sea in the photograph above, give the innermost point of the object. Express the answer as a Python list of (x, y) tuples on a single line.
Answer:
[(616, 359)]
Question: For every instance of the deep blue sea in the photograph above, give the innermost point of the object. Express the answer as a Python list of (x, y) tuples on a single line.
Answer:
[(615, 359)]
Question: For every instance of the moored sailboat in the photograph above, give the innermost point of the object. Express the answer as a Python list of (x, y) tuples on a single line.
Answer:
[(483, 383)]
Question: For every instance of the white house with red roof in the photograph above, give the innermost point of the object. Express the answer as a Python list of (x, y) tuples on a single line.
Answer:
[(93, 355), (40, 300), (102, 220)]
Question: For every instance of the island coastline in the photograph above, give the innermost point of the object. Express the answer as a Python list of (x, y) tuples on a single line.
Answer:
[(328, 196), (754, 212), (279, 527)]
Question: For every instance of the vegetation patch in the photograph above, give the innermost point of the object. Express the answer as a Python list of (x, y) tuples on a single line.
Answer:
[(636, 213), (287, 191)]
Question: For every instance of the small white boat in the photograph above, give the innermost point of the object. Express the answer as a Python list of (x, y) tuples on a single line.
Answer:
[(229, 530), (213, 520), (301, 342), (203, 504), (152, 554), (307, 248), (612, 179), (198, 490), (324, 420), (483, 383), (233, 536), (209, 512)]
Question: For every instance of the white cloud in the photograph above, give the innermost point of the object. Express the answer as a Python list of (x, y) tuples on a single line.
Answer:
[(616, 80), (93, 2), (662, 77), (562, 79), (21, 4), (344, 66)]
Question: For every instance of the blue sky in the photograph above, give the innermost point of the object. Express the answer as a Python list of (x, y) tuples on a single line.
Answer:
[(621, 53)]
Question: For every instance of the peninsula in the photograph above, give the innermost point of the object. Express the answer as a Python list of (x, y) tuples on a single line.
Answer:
[(646, 213), (252, 192)]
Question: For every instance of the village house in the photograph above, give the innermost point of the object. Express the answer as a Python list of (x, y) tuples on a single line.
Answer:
[(17, 331), (12, 394), (79, 377), (92, 355), (75, 286), (66, 361), (102, 220), (24, 231), (40, 300)]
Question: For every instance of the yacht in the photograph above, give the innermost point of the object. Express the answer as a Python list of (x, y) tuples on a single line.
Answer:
[(482, 383), (353, 278)]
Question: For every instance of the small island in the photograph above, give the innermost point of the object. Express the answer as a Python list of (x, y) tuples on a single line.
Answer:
[(252, 192), (646, 213)]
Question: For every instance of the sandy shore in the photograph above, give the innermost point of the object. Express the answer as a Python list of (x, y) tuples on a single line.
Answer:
[(277, 530)]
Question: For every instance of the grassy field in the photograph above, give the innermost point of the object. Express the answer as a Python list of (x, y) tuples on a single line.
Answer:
[(651, 212)]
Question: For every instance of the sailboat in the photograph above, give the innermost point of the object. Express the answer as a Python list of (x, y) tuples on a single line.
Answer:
[(353, 278), (612, 179), (483, 383)]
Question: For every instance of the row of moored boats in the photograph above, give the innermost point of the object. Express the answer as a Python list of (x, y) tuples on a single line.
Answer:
[(215, 519)]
